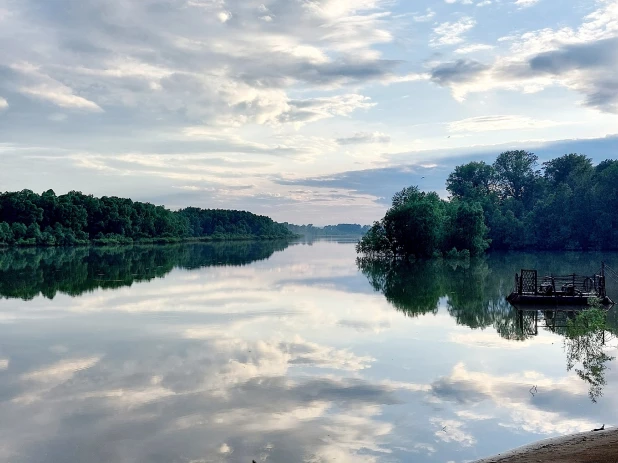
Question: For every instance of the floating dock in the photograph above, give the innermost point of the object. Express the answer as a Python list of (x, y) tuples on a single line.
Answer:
[(562, 290)]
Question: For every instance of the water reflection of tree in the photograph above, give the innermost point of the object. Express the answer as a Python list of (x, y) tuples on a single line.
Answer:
[(475, 290), (26, 273), (584, 344), (411, 287), (475, 294)]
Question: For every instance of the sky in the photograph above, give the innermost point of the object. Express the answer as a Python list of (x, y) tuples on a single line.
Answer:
[(309, 111)]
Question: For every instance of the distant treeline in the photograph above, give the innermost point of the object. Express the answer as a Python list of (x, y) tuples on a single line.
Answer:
[(30, 219), (569, 204), (343, 229)]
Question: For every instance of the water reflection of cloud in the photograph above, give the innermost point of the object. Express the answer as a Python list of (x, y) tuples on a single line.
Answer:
[(267, 362), (236, 392), (491, 341), (365, 326), (452, 431), (555, 410)]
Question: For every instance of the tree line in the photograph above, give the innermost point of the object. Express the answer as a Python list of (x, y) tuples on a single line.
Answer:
[(566, 203), (30, 219)]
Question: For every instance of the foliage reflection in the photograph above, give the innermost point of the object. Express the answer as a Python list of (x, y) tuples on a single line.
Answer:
[(475, 295), (26, 273)]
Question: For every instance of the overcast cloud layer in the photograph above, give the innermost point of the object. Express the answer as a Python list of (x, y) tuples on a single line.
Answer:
[(232, 103)]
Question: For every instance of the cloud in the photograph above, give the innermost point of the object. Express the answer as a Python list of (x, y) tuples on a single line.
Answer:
[(203, 65), (474, 47), (455, 72), (30, 80), (61, 97), (582, 59), (3, 104), (311, 110), (224, 16), (526, 3), (381, 183), (569, 58), (424, 17), (490, 123), (365, 137), (450, 33)]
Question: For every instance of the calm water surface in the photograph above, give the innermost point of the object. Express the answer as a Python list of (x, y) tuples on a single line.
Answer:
[(233, 352)]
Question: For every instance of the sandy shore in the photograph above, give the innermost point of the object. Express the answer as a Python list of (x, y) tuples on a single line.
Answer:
[(586, 447)]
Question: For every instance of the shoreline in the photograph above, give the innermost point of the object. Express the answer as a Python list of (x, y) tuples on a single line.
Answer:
[(146, 242), (585, 447)]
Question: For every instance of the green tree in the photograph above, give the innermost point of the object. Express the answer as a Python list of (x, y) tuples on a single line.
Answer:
[(516, 174), (375, 242), (466, 228), (414, 228), (6, 233), (561, 169), (474, 181)]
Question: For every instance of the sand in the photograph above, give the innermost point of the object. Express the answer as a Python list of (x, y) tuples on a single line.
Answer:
[(587, 447)]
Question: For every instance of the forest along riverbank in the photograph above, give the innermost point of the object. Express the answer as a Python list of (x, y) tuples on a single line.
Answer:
[(587, 447)]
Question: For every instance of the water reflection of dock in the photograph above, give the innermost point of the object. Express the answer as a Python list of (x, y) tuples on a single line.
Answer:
[(554, 319)]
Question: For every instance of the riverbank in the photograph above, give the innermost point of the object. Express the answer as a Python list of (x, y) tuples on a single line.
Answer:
[(586, 447)]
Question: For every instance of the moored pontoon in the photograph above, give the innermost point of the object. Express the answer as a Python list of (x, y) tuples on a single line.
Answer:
[(571, 290)]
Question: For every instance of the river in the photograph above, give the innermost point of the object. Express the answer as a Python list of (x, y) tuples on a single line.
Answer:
[(280, 353)]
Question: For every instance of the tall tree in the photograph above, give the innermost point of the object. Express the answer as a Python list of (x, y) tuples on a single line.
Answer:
[(559, 170), (471, 181), (516, 173)]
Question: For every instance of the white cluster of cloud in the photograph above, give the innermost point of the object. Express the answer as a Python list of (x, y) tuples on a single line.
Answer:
[(526, 3), (451, 33), (474, 47), (365, 137), (198, 58), (487, 123), (428, 15), (581, 59)]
